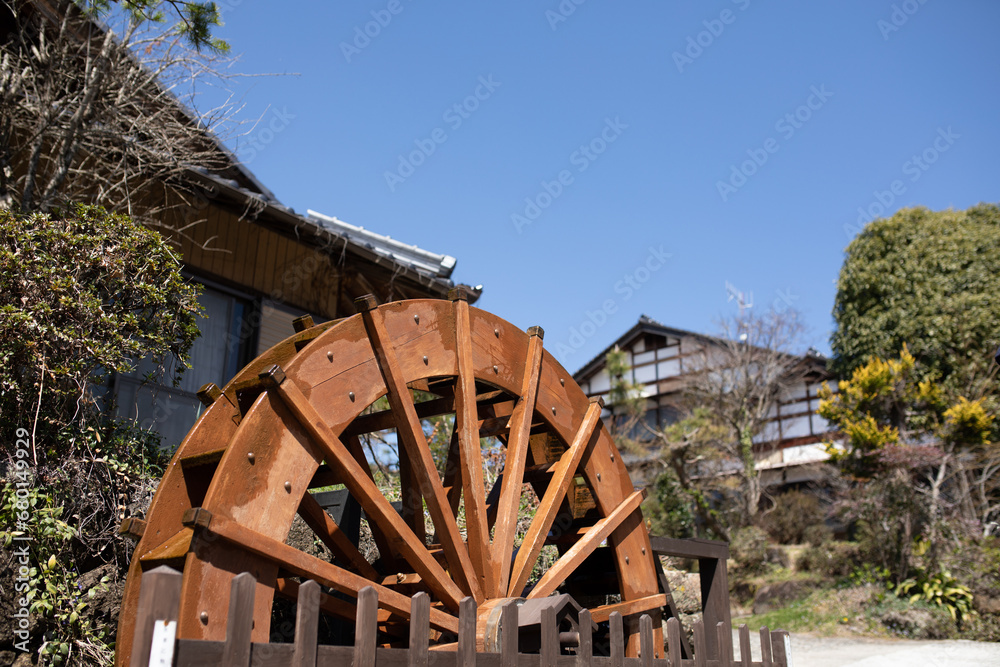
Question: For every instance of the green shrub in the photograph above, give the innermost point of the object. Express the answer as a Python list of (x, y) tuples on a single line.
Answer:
[(668, 509), (910, 620), (795, 512), (939, 589), (832, 559), (82, 294), (867, 574), (748, 550), (817, 535)]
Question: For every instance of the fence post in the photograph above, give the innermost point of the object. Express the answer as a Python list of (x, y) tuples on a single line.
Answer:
[(159, 600), (674, 641), (745, 657), (585, 651), (715, 598), (420, 615), (467, 633), (508, 639), (700, 653), (765, 647), (782, 646), (550, 637), (646, 651), (365, 628), (725, 639), (306, 625), (617, 639), (236, 652)]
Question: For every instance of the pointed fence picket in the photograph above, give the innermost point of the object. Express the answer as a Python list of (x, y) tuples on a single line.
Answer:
[(159, 602)]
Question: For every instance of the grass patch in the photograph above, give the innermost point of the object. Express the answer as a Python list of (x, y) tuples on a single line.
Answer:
[(811, 614)]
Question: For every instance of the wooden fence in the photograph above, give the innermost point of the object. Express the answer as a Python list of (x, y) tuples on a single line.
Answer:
[(155, 644), (711, 556)]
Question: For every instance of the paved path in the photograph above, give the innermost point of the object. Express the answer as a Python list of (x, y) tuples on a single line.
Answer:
[(809, 651)]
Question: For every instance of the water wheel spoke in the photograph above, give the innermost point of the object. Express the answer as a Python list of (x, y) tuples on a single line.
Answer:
[(305, 565), (366, 493), (387, 556), (470, 453), (517, 454), (436, 407), (410, 432), (289, 589), (327, 530), (576, 554), (628, 608), (563, 472)]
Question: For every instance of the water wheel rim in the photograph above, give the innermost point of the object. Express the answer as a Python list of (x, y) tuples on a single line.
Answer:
[(270, 456)]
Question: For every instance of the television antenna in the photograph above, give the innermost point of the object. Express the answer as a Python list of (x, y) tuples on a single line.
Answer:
[(744, 301)]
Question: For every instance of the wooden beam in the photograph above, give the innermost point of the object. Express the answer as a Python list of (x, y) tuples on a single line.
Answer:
[(410, 432), (470, 452), (304, 565), (603, 613), (333, 537), (563, 472), (364, 490), (517, 456), (576, 554)]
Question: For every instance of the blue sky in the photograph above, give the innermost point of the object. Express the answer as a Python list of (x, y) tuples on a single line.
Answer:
[(587, 163)]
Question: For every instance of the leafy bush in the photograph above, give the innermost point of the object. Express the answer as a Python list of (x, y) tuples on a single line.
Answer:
[(868, 575), (82, 295), (748, 550), (975, 562), (53, 592), (910, 620), (817, 535), (832, 559), (668, 509), (795, 512), (940, 589)]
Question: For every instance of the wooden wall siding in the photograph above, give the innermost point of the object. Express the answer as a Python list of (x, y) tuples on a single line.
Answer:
[(275, 325), (160, 595), (221, 246), (224, 241)]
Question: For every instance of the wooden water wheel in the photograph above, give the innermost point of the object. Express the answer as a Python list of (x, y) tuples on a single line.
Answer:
[(293, 422)]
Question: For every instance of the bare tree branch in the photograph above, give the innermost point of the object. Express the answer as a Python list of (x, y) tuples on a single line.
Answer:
[(740, 378), (110, 117)]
